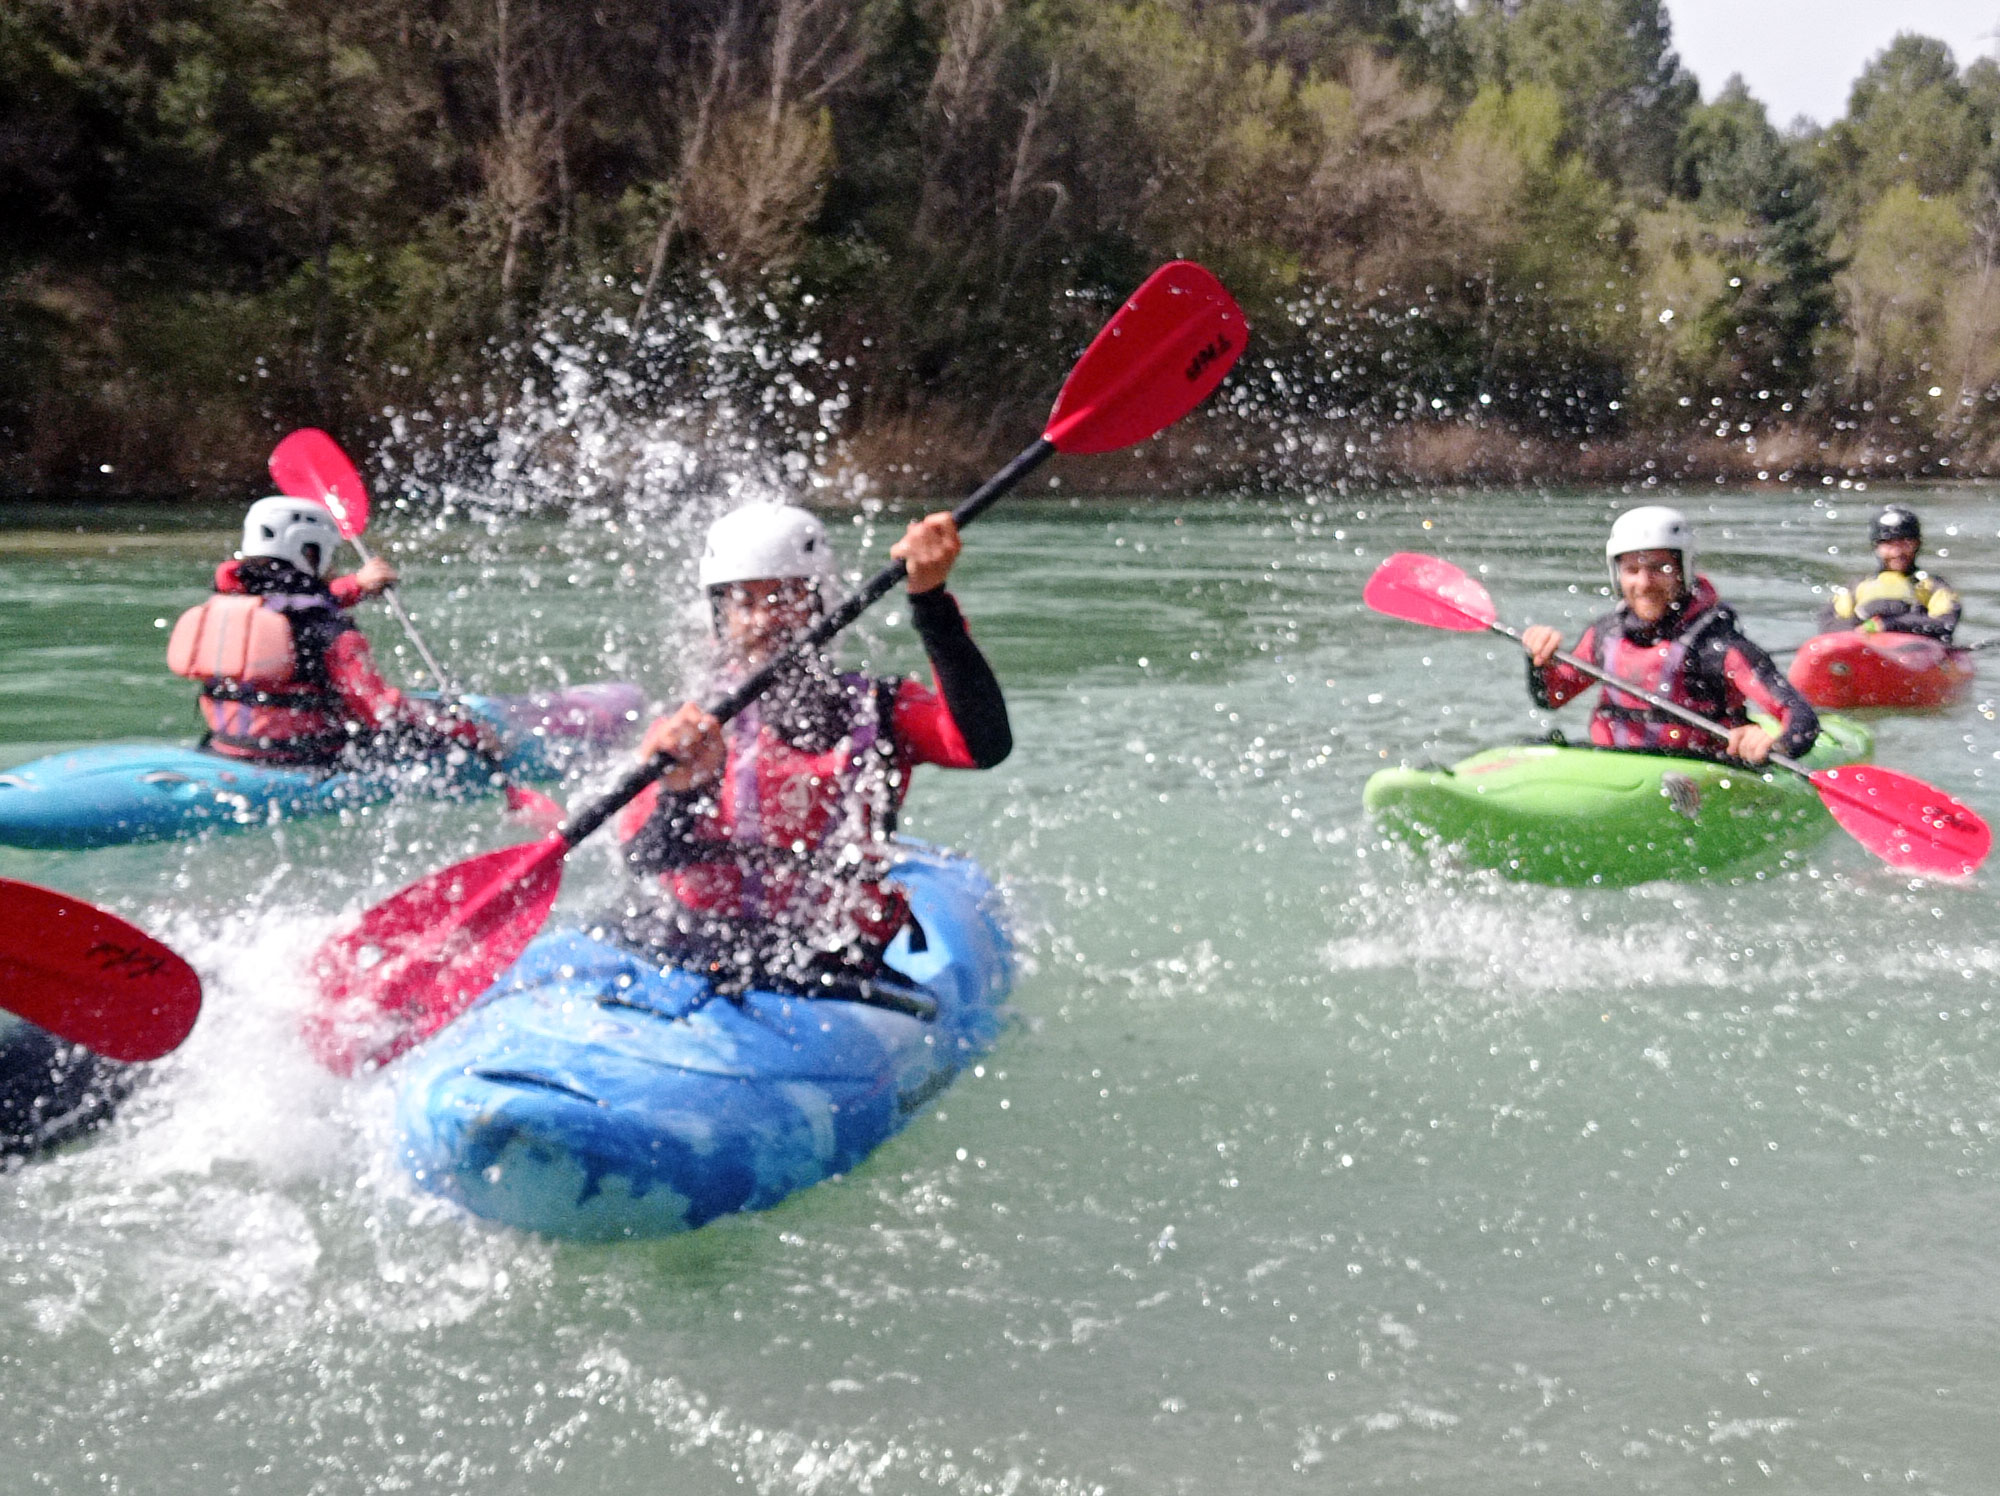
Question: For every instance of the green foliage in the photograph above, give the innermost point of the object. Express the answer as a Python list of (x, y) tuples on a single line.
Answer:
[(1898, 289), (220, 218), (1727, 152), (1910, 120), (1611, 62)]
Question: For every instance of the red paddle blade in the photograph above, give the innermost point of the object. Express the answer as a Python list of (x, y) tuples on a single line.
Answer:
[(1162, 355), (1424, 589), (309, 464), (91, 978), (1912, 826), (419, 958), (533, 809)]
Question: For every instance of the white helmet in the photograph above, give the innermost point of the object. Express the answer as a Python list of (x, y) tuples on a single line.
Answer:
[(284, 527), (765, 542), (1653, 527)]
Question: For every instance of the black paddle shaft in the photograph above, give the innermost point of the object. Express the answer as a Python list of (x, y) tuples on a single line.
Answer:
[(634, 782)]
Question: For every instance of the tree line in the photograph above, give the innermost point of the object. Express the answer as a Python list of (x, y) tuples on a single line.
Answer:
[(1502, 227)]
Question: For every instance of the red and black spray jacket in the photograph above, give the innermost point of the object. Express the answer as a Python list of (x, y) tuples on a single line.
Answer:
[(795, 831), (1695, 656), (331, 694)]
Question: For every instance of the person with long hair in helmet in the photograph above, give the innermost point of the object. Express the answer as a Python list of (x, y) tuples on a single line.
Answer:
[(1901, 598), (286, 677), (1672, 634), (769, 838)]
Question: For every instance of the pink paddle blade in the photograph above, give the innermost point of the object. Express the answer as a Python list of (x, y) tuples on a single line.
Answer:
[(87, 976), (419, 958), (1424, 589), (1910, 825), (1161, 355), (533, 809), (309, 464)]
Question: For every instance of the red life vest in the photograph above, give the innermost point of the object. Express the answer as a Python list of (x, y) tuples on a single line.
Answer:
[(1622, 720), (801, 836), (258, 697)]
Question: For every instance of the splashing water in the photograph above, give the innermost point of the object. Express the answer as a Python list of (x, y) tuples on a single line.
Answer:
[(1307, 1162)]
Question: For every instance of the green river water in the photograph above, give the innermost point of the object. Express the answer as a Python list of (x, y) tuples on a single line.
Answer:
[(1305, 1166)]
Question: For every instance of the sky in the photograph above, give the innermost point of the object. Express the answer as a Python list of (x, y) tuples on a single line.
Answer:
[(1801, 56)]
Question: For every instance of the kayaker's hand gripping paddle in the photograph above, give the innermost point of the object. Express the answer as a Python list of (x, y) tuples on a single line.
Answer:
[(87, 976), (1908, 824), (416, 960)]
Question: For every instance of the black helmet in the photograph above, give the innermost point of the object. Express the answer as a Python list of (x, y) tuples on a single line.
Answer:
[(1895, 523)]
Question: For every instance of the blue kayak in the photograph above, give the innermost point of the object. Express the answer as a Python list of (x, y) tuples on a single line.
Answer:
[(128, 792), (593, 1095)]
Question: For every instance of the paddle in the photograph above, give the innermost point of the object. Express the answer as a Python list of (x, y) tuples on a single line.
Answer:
[(89, 977), (310, 464), (415, 961), (1902, 820)]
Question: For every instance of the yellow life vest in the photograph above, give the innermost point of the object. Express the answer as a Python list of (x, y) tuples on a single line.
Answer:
[(1890, 592)]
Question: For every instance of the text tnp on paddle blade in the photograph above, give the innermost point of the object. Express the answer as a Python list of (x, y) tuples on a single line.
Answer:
[(89, 977), (1165, 351)]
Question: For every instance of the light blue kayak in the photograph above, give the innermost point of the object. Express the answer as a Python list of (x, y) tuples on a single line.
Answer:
[(592, 1095), (128, 792)]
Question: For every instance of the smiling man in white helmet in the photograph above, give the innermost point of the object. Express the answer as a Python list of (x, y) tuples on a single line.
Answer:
[(286, 677), (769, 837), (1674, 636)]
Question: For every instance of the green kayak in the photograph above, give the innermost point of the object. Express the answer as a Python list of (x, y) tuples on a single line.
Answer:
[(1545, 813)]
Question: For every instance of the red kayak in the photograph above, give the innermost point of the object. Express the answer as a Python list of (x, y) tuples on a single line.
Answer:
[(1849, 671)]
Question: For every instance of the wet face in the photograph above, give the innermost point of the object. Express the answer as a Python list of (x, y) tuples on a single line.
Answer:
[(1897, 555), (1651, 583), (756, 618)]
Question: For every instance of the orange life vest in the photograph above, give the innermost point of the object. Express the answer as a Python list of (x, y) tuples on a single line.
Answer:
[(256, 699), (233, 638)]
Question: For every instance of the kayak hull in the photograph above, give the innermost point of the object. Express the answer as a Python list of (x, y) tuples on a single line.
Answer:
[(52, 1091), (116, 793), (1543, 813), (592, 1095), (1853, 671)]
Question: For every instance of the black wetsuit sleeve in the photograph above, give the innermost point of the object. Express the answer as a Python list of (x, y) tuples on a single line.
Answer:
[(1538, 689), (964, 678), (667, 840), (1939, 626)]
